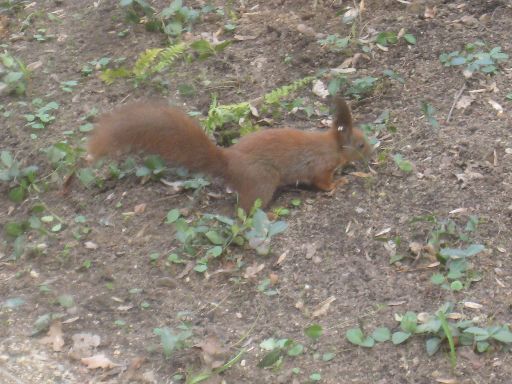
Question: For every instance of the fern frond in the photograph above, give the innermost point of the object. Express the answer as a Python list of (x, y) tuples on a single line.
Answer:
[(218, 115), (111, 75), (280, 93), (167, 57), (142, 67)]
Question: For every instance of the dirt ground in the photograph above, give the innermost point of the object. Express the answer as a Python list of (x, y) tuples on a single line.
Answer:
[(331, 244)]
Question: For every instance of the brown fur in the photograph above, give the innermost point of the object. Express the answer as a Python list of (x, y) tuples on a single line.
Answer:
[(255, 166)]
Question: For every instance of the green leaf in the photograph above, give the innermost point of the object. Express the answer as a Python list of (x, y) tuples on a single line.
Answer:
[(295, 350), (214, 237), (14, 229), (404, 165), (201, 268), (409, 322), (437, 279), (328, 356), (270, 358), (503, 335), (411, 39), (6, 158), (459, 60), (17, 194), (482, 346), (433, 345), (13, 302), (381, 334), (86, 176), (172, 216), (268, 344), (399, 337), (355, 336), (167, 339), (66, 301), (215, 251), (456, 285), (277, 227), (314, 331), (315, 376), (472, 250)]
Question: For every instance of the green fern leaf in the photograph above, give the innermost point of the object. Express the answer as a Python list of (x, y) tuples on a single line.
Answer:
[(142, 67), (280, 93), (167, 57)]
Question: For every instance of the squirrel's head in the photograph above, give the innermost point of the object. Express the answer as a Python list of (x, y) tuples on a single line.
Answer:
[(356, 146), (353, 142)]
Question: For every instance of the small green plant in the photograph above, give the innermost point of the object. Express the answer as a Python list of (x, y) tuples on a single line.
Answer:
[(403, 164), (173, 340), (453, 247), (429, 112), (475, 60), (67, 86), (43, 115), (277, 350), (361, 87), (275, 96), (210, 236), (172, 20), (96, 65), (16, 75), (148, 63), (20, 178), (438, 329), (335, 43), (41, 35)]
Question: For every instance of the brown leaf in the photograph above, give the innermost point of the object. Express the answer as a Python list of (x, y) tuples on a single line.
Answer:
[(98, 361), (281, 258), (323, 307), (253, 270), (139, 208), (430, 12), (83, 345), (464, 102), (213, 353), (361, 174), (54, 336), (135, 364)]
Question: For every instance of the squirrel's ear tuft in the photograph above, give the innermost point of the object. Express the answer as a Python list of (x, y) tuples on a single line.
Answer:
[(342, 120)]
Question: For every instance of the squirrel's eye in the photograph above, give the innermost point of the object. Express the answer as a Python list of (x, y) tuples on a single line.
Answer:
[(360, 145)]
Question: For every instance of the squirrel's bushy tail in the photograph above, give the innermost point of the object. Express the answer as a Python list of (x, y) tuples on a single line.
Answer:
[(157, 129)]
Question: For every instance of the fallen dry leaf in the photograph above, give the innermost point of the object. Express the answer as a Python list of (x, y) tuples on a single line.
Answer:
[(445, 380), (83, 345), (253, 270), (135, 364), (383, 232), (213, 353), (274, 278), (54, 336), (323, 307), (472, 305), (139, 208), (430, 12), (90, 245), (464, 102), (496, 106), (281, 258), (319, 89), (98, 361), (310, 250), (361, 174), (458, 210)]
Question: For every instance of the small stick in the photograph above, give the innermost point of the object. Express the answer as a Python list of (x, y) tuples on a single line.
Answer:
[(457, 97)]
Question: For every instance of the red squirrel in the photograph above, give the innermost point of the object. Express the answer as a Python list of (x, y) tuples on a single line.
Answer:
[(254, 167)]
